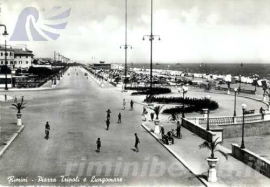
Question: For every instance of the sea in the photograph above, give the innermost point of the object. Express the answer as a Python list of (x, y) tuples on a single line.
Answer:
[(248, 70)]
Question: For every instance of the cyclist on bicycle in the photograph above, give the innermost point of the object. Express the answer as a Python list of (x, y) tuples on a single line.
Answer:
[(173, 116), (47, 130)]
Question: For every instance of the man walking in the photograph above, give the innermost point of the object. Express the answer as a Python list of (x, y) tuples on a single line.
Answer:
[(98, 145), (119, 118), (131, 105), (262, 112), (162, 130), (47, 130), (108, 124), (108, 114), (152, 116), (178, 129), (137, 141)]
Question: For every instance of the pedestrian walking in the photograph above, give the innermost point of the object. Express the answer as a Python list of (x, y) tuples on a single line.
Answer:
[(47, 130), (119, 118), (162, 131), (108, 124), (144, 110), (131, 105), (98, 145), (108, 114), (124, 104), (137, 141), (152, 116), (262, 112), (178, 129)]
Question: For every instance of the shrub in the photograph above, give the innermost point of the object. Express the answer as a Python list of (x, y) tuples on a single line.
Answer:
[(40, 71), (146, 90), (192, 104)]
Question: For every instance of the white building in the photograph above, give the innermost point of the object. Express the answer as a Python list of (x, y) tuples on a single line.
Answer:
[(22, 58), (16, 58), (10, 56)]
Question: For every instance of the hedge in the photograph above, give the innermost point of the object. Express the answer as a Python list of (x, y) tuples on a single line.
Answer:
[(192, 104), (146, 90)]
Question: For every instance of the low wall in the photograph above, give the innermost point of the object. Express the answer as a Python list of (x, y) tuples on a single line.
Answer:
[(251, 159), (206, 135), (250, 129)]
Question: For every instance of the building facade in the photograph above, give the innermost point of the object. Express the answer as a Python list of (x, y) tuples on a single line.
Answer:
[(22, 59), (10, 56), (16, 58)]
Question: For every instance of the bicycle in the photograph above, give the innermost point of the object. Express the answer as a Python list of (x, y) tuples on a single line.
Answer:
[(173, 119), (47, 132)]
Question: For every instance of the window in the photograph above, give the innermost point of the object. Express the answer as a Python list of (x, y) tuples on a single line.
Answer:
[(1, 53), (15, 62), (6, 54), (11, 62), (2, 62), (26, 62), (10, 54)]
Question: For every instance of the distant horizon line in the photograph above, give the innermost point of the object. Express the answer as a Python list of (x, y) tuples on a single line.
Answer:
[(179, 63)]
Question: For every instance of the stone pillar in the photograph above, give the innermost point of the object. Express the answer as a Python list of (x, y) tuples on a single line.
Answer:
[(205, 112)]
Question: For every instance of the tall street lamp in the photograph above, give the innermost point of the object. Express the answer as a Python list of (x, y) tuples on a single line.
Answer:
[(235, 91), (126, 48), (5, 34), (208, 97), (243, 126), (240, 76), (184, 89), (151, 38)]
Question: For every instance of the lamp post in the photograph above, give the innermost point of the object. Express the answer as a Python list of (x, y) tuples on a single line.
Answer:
[(6, 63), (184, 89), (151, 38), (234, 113), (5, 34), (208, 97), (240, 77), (243, 126), (126, 47)]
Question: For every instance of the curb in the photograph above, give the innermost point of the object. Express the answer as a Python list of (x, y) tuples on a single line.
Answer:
[(11, 140), (203, 181)]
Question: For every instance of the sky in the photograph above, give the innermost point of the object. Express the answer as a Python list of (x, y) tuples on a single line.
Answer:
[(201, 31)]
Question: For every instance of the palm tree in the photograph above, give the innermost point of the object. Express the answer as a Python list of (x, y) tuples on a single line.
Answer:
[(19, 105), (212, 146), (157, 110)]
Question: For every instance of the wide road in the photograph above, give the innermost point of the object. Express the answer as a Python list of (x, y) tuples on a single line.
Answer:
[(76, 111)]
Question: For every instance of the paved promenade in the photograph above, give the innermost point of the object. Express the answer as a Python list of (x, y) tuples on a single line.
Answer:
[(75, 108), (76, 111), (230, 172)]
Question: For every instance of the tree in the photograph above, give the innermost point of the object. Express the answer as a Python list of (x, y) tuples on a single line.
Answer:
[(157, 110), (18, 105), (212, 146), (5, 70)]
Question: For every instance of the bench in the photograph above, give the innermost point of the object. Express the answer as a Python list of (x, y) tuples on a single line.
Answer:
[(250, 112)]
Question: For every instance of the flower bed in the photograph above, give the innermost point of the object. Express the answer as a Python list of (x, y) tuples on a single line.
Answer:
[(191, 104), (146, 90)]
